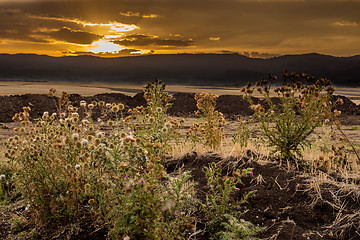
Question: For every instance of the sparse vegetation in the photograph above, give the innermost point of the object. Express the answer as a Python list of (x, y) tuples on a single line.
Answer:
[(116, 173)]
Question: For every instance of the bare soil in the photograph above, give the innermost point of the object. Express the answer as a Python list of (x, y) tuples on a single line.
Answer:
[(184, 105)]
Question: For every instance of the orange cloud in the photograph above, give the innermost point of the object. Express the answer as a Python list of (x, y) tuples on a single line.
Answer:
[(137, 14), (345, 24)]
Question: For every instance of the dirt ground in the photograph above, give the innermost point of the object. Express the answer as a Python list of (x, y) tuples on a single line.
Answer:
[(184, 105)]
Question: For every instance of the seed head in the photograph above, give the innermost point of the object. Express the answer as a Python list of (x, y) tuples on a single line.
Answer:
[(110, 191), (75, 136), (77, 166), (111, 123), (100, 134), (115, 109), (121, 106), (82, 103), (45, 116), (158, 110), (91, 106), (337, 113), (87, 188), (127, 119), (151, 119), (122, 135), (123, 165), (84, 142), (168, 125), (97, 141)]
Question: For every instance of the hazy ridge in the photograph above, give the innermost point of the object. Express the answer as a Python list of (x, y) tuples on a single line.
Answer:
[(196, 69)]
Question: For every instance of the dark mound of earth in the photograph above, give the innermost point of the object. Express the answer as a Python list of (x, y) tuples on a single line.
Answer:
[(184, 104)]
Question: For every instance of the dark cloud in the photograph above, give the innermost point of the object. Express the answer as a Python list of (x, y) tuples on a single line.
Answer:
[(147, 40), (75, 36), (14, 26)]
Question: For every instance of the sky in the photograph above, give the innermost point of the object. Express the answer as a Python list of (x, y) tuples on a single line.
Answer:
[(112, 28)]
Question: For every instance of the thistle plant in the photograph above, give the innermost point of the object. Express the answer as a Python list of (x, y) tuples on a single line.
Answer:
[(243, 132), (151, 123), (220, 200), (54, 158), (237, 229), (71, 171), (5, 188), (144, 208), (209, 132), (302, 108)]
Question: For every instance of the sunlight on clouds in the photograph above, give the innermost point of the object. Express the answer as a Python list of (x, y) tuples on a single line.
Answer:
[(150, 16), (345, 24), (113, 36), (137, 14), (115, 27), (214, 38), (104, 46), (130, 14)]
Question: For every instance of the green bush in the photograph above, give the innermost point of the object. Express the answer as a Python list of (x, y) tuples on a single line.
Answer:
[(220, 202)]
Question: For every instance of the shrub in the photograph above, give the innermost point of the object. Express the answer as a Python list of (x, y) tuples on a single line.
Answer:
[(74, 174), (151, 123), (220, 202), (243, 132), (210, 132), (145, 208), (237, 229), (301, 109), (55, 162)]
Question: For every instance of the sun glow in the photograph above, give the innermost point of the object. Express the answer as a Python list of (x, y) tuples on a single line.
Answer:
[(104, 46)]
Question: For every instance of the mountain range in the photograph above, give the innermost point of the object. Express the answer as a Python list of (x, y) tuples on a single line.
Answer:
[(191, 69)]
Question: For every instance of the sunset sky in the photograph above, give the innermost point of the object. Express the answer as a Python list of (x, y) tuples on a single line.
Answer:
[(257, 28)]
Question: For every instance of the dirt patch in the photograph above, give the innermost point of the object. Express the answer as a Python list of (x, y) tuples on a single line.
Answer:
[(184, 105)]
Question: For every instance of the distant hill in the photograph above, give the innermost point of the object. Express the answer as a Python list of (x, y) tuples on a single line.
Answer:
[(195, 69)]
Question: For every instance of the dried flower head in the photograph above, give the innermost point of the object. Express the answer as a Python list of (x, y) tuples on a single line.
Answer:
[(101, 103), (121, 106), (83, 103)]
